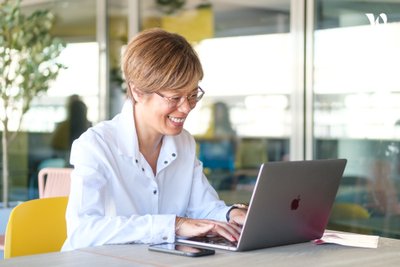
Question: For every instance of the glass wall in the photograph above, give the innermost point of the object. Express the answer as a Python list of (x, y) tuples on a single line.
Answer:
[(356, 91), (88, 88), (80, 57), (246, 51)]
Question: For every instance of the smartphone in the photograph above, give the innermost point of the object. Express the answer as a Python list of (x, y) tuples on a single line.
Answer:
[(182, 250)]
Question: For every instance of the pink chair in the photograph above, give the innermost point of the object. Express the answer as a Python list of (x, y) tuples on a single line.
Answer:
[(54, 182), (1, 242)]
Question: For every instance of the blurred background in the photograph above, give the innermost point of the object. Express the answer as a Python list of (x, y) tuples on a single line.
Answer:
[(284, 80)]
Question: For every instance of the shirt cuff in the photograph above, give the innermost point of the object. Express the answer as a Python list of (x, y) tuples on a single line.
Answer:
[(163, 229)]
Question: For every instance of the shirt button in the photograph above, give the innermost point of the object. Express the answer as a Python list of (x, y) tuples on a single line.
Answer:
[(136, 160), (165, 238), (142, 169), (165, 162), (173, 154), (155, 192)]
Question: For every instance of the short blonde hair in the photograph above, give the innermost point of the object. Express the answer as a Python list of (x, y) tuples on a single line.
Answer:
[(156, 60)]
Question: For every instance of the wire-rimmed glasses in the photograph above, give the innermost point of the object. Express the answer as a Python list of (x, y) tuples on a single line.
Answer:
[(176, 101)]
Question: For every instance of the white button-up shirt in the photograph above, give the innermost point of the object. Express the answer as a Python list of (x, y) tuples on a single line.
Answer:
[(115, 196)]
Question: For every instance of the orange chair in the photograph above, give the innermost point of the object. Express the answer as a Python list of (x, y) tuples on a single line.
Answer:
[(54, 182)]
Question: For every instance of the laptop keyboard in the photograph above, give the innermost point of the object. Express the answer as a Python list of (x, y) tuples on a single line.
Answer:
[(218, 240)]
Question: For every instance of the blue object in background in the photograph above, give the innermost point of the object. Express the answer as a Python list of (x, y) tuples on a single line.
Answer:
[(218, 154)]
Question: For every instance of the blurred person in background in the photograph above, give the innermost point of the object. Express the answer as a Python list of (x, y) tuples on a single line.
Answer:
[(71, 128)]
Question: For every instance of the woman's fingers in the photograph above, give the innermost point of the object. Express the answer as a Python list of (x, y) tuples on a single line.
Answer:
[(229, 232), (192, 227)]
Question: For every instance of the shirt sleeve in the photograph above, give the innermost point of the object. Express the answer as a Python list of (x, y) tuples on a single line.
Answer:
[(204, 200), (91, 216)]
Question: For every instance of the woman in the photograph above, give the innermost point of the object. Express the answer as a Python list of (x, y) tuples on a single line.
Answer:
[(136, 178)]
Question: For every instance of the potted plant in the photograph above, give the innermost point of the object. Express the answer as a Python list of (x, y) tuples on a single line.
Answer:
[(28, 54)]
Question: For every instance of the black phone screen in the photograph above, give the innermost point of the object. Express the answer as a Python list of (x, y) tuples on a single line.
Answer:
[(183, 250)]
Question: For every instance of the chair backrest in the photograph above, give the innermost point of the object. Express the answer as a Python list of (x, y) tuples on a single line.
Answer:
[(54, 182), (36, 226)]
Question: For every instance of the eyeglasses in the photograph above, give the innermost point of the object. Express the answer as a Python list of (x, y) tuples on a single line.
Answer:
[(176, 101)]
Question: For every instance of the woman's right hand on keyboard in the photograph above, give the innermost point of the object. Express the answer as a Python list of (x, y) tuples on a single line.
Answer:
[(188, 227)]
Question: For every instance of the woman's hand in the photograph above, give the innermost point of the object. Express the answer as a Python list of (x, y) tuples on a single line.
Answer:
[(193, 227), (237, 216)]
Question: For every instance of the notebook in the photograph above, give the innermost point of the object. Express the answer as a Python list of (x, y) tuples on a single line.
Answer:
[(291, 203)]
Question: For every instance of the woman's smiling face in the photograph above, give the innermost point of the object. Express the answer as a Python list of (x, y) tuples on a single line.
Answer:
[(157, 113)]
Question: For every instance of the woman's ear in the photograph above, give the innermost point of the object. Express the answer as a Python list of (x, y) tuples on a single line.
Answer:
[(136, 95)]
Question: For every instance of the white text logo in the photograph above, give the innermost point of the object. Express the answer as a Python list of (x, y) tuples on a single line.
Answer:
[(375, 21)]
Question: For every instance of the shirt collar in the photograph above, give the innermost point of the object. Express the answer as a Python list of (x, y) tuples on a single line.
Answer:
[(127, 138), (128, 143)]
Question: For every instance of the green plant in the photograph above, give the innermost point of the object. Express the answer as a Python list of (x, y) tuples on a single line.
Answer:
[(28, 54)]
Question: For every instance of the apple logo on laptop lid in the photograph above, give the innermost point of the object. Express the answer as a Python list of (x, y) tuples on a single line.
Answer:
[(294, 205)]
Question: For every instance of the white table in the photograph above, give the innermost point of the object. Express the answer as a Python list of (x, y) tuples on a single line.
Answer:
[(304, 254)]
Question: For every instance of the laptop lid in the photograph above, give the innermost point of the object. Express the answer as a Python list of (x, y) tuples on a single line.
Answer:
[(291, 203)]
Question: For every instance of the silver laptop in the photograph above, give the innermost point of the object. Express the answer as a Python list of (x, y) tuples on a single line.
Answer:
[(291, 203)]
